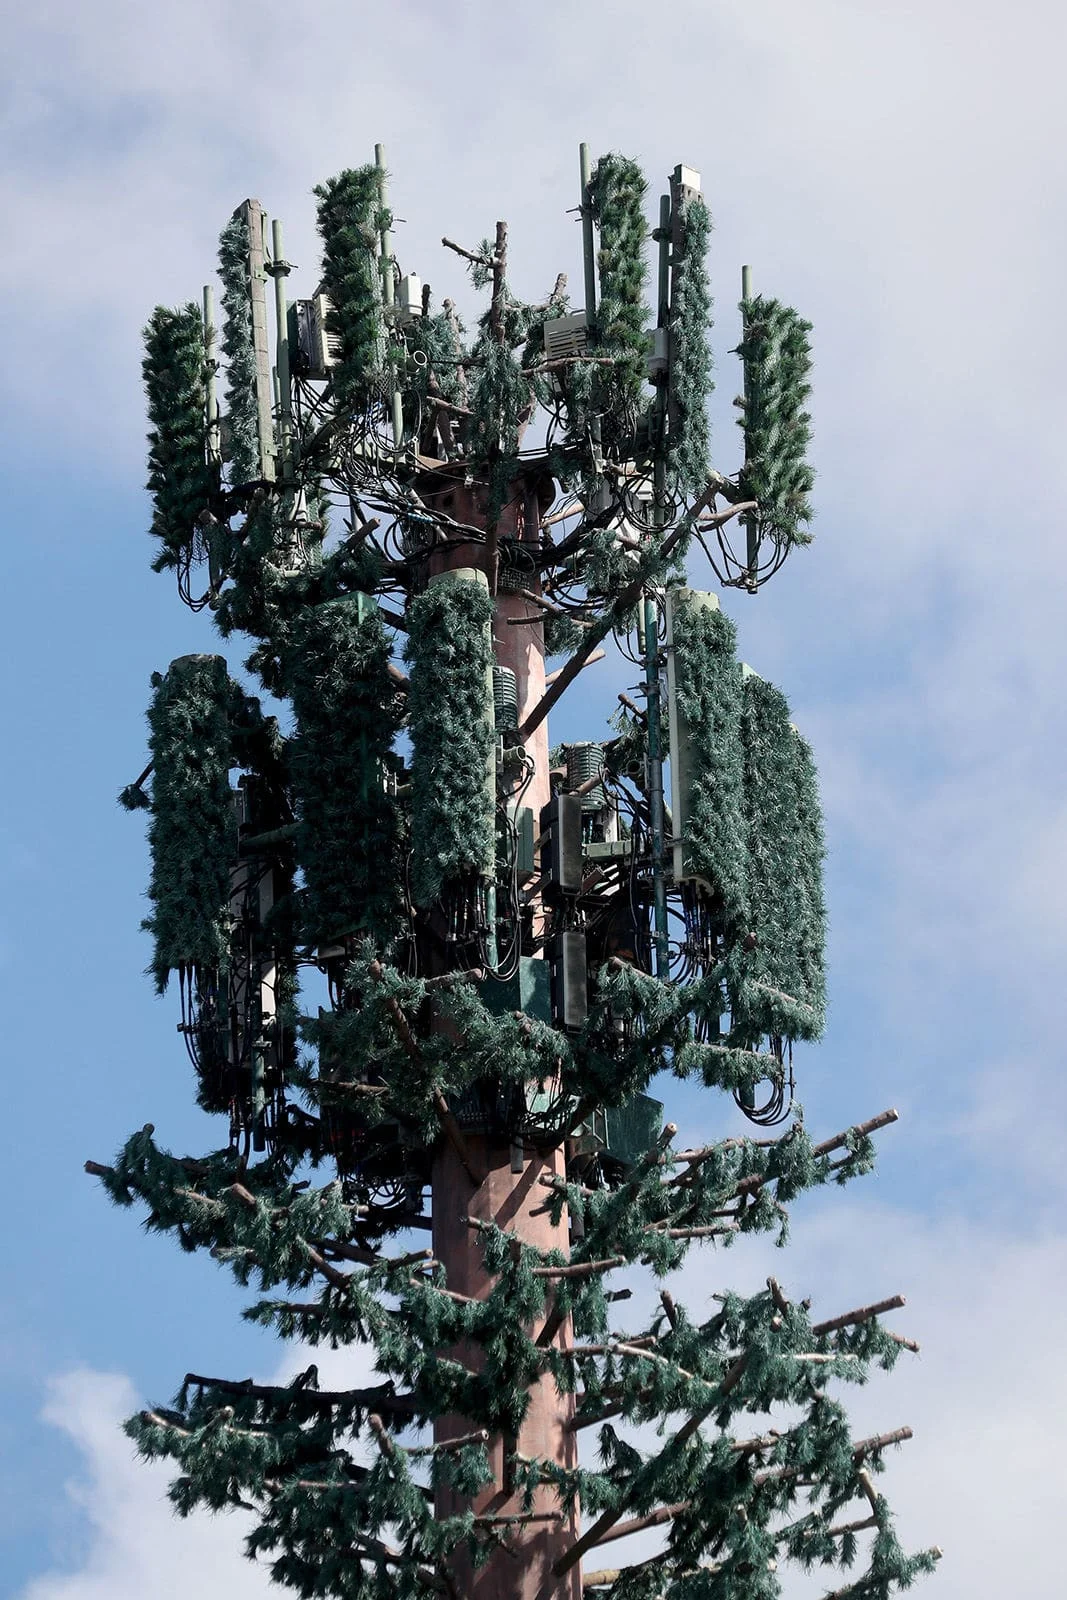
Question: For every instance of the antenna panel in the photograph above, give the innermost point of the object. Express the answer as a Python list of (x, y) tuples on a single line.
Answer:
[(566, 336), (683, 771)]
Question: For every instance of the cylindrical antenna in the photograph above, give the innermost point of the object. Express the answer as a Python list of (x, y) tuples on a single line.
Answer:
[(588, 248), (385, 233), (280, 270), (585, 165), (211, 405), (652, 690), (747, 388), (663, 310), (388, 269)]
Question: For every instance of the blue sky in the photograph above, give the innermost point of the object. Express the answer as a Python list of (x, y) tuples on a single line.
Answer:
[(895, 170)]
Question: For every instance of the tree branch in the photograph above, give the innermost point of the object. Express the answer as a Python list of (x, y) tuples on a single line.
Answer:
[(848, 1319), (445, 1116), (380, 1396), (468, 255)]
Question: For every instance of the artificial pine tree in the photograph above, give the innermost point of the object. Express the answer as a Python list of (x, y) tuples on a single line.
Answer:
[(429, 968)]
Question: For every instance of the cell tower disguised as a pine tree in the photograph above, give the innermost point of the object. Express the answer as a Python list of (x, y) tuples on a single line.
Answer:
[(428, 968)]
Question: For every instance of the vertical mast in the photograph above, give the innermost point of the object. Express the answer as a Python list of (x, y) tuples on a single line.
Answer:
[(388, 267), (255, 218), (589, 274), (510, 1193), (651, 616), (211, 404), (279, 269), (749, 392), (588, 248)]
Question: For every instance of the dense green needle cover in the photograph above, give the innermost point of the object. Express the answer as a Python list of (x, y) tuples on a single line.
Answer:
[(193, 832), (501, 404), (179, 479), (691, 361), (776, 354), (343, 703), (753, 833), (618, 200), (238, 344), (709, 701), (202, 726), (450, 719), (779, 987), (350, 215)]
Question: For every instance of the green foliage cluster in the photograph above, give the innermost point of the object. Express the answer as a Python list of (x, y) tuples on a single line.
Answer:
[(779, 986), (180, 481), (493, 392), (416, 1064), (709, 701), (433, 373), (266, 594), (563, 635), (193, 832), (253, 600), (776, 353), (637, 1027), (450, 719), (350, 215), (201, 726), (810, 891), (504, 392), (344, 705), (501, 404), (691, 362), (753, 833), (617, 197), (607, 564), (437, 336), (242, 400)]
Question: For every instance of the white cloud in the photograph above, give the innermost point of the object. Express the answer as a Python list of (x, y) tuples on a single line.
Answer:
[(984, 1474), (134, 1544)]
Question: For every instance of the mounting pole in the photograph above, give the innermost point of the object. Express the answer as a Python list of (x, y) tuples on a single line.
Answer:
[(279, 270), (211, 404), (652, 687), (254, 217), (750, 392), (585, 166), (588, 247), (388, 269)]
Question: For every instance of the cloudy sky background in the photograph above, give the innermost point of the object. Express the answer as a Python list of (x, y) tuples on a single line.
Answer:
[(897, 172)]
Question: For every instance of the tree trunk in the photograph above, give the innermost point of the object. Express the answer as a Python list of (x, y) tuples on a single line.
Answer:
[(530, 1544)]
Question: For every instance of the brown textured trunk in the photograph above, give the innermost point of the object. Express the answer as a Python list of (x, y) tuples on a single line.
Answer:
[(522, 1568)]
